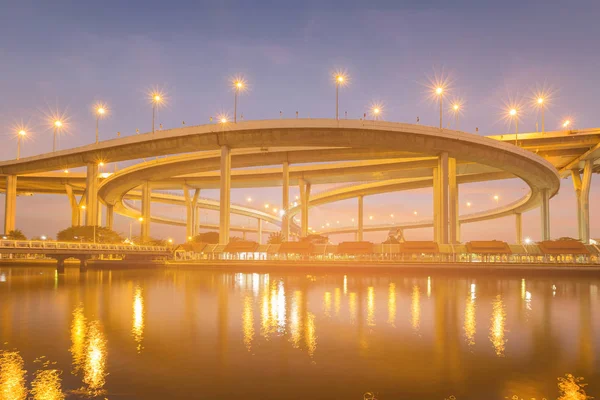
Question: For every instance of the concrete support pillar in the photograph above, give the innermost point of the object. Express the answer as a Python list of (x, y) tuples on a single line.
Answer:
[(110, 215), (259, 231), (444, 168), (99, 214), (359, 235), (10, 205), (453, 202), (577, 186), (190, 205), (436, 206), (304, 199), (545, 214), (75, 211), (146, 201), (519, 227), (225, 195), (91, 183), (585, 201), (285, 221)]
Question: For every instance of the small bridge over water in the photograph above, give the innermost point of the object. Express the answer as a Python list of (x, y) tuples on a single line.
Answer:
[(61, 251)]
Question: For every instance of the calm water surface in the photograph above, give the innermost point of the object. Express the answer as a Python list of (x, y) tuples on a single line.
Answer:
[(184, 333)]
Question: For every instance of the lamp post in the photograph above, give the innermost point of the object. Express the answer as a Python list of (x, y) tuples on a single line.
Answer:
[(541, 105), (439, 91), (238, 85), (57, 126), (456, 109), (156, 100), (513, 115), (566, 123), (100, 111), (20, 135), (140, 219), (340, 79)]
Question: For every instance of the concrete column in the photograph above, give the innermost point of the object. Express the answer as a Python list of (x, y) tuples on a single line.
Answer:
[(519, 227), (361, 214), (285, 221), (75, 211), (577, 186), (585, 201), (110, 215), (99, 214), (190, 205), (10, 206), (453, 201), (195, 221), (91, 207), (545, 214), (225, 195), (146, 201), (304, 199), (442, 197), (259, 231), (436, 206)]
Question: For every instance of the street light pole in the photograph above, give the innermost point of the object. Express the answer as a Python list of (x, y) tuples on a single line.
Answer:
[(20, 136)]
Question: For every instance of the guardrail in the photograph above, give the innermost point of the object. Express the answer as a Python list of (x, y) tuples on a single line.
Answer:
[(45, 244)]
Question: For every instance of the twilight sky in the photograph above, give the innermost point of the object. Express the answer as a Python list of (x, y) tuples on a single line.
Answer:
[(67, 55)]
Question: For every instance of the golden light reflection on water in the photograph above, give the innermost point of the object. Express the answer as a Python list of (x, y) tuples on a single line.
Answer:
[(392, 304), (470, 320), (47, 385), (281, 307), (497, 327), (273, 312), (415, 308), (12, 376), (428, 286), (345, 284), (137, 330), (352, 306), (248, 322), (337, 301), (295, 319), (310, 335), (370, 306), (95, 360), (327, 304), (78, 332)]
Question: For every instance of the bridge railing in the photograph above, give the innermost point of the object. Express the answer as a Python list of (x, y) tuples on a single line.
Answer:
[(45, 244)]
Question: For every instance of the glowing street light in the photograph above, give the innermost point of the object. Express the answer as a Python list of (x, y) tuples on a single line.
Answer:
[(140, 220), (566, 123), (57, 126), (456, 109), (239, 84), (541, 103), (468, 204), (20, 135), (101, 111), (340, 80), (527, 240), (496, 197), (249, 199)]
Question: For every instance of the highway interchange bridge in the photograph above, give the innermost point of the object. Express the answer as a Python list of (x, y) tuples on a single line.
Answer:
[(368, 157)]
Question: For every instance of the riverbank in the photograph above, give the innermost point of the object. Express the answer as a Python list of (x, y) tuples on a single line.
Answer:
[(279, 265)]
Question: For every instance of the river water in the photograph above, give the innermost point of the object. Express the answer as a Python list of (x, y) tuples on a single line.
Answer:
[(189, 333)]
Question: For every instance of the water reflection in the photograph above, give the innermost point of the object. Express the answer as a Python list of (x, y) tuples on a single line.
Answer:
[(295, 320), (470, 322), (12, 376), (78, 333), (310, 335), (47, 385), (352, 307), (137, 330), (497, 327), (392, 304), (415, 308), (337, 301), (95, 361), (248, 322), (370, 306), (327, 304)]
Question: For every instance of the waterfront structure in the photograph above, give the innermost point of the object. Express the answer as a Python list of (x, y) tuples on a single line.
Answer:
[(382, 156)]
